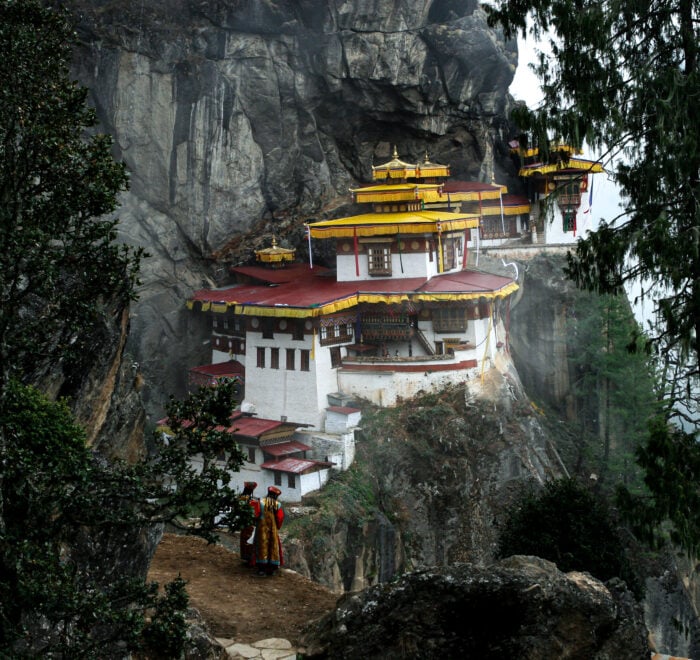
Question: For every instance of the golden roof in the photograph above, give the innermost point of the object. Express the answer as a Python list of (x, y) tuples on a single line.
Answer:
[(275, 254), (579, 165), (399, 169), (382, 224), (397, 192), (554, 147)]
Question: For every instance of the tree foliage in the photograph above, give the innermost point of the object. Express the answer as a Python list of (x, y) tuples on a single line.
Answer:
[(615, 389), (59, 262), (58, 494), (568, 525), (623, 76), (65, 512)]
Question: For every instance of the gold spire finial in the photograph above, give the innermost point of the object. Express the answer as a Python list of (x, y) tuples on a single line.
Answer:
[(426, 159), (396, 152)]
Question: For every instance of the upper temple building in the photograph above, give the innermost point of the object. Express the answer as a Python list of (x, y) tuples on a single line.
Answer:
[(401, 311)]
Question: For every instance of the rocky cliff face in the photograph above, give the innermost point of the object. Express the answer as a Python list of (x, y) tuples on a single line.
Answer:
[(238, 118), (521, 607), (430, 481)]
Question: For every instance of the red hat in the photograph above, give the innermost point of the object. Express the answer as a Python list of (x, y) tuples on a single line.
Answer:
[(250, 484), (274, 489)]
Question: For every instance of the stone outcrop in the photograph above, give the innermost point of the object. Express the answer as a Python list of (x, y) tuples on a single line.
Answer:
[(438, 473), (239, 118), (521, 607)]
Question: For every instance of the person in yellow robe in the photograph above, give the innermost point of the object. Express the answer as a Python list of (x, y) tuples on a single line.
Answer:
[(269, 547)]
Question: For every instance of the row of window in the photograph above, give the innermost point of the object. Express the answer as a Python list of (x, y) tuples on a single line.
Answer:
[(336, 334), (379, 256), (268, 326), (290, 358)]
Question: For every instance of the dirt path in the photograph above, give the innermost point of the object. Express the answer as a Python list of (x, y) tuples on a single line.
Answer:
[(233, 600)]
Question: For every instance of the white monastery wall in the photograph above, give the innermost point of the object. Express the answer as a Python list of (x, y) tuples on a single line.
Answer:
[(338, 449), (281, 392), (306, 483), (386, 388), (414, 265), (219, 356), (326, 378), (554, 229)]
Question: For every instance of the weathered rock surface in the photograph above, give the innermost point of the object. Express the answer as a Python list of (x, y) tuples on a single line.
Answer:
[(238, 118), (438, 474), (521, 607)]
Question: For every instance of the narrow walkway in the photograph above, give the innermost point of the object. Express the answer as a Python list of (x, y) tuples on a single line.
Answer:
[(274, 648)]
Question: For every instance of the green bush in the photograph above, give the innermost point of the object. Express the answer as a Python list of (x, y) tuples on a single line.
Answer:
[(566, 524)]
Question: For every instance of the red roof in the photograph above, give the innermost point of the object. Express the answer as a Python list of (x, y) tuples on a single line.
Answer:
[(254, 427), (508, 200), (472, 281), (278, 275), (312, 289), (343, 410), (284, 448), (295, 465), (220, 369)]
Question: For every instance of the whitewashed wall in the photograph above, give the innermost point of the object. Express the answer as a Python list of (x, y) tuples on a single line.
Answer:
[(414, 265)]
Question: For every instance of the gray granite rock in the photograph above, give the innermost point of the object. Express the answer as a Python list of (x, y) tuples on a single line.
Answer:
[(521, 607), (242, 118)]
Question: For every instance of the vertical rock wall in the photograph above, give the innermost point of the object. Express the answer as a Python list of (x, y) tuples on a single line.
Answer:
[(238, 118)]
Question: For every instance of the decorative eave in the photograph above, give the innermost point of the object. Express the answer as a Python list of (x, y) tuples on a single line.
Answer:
[(533, 152), (573, 167), (384, 224), (406, 192), (511, 205), (430, 293)]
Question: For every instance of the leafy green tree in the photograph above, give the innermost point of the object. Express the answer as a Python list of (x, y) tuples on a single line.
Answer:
[(64, 510), (59, 262), (568, 525), (623, 77)]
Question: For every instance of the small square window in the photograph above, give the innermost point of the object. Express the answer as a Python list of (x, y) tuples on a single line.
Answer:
[(261, 357), (298, 329), (305, 361), (379, 260), (274, 358), (268, 328), (278, 478), (251, 454), (291, 481), (290, 359), (568, 220)]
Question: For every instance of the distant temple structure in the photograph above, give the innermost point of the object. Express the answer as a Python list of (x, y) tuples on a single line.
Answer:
[(556, 183), (401, 313)]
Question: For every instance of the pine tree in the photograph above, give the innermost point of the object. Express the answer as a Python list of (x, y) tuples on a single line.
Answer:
[(614, 386), (623, 77)]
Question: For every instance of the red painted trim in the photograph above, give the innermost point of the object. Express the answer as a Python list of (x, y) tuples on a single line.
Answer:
[(411, 368)]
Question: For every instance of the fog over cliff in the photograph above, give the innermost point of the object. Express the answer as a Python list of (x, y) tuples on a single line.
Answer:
[(239, 118)]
